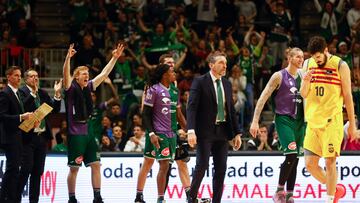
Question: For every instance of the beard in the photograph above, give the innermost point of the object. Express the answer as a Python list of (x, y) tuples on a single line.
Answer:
[(323, 64)]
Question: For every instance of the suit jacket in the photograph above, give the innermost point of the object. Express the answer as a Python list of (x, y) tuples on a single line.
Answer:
[(202, 108), (10, 111), (29, 106)]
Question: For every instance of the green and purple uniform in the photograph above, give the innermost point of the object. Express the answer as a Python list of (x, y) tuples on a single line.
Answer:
[(289, 114), (163, 102), (83, 146)]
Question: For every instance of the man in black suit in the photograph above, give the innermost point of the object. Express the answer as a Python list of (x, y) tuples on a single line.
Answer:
[(211, 124), (35, 141), (11, 115)]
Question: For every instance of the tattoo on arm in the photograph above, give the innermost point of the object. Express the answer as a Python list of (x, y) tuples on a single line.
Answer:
[(272, 85)]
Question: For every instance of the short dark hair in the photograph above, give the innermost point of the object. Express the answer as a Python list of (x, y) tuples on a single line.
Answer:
[(212, 56), (317, 44), (262, 125), (164, 56), (11, 69), (116, 104), (141, 127)]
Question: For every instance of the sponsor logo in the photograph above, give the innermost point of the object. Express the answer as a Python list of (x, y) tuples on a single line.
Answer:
[(293, 90), (292, 146), (165, 152), (79, 159), (331, 148), (166, 100), (165, 110), (148, 96)]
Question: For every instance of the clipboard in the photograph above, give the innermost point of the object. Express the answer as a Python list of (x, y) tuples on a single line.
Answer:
[(39, 114)]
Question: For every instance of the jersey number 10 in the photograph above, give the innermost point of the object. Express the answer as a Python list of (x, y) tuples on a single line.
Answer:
[(319, 91)]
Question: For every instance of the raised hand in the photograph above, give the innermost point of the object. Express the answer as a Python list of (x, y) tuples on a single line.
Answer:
[(118, 51), (308, 75), (58, 85), (71, 51)]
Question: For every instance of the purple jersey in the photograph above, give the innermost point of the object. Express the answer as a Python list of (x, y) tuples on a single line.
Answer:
[(164, 102), (287, 99), (75, 128)]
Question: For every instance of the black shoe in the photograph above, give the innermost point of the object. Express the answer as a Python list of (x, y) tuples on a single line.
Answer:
[(139, 199), (98, 200), (73, 201), (191, 200)]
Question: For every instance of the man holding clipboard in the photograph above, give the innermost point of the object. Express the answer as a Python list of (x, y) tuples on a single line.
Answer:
[(35, 141)]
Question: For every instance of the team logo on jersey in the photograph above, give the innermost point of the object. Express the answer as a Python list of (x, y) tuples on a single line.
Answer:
[(331, 148), (166, 100), (165, 110), (165, 152), (174, 92), (79, 159), (153, 153), (292, 146)]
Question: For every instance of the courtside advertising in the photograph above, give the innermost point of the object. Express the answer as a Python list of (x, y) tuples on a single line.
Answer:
[(248, 179)]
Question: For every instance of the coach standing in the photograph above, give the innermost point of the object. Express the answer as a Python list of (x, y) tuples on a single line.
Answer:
[(211, 123), (11, 115), (35, 141)]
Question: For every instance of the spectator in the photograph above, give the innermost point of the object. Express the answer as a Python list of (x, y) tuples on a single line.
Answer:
[(137, 142), (279, 36), (87, 52), (185, 84), (246, 65), (247, 8), (118, 138), (353, 14), (330, 13), (261, 142), (107, 144), (61, 146), (115, 115), (107, 129)]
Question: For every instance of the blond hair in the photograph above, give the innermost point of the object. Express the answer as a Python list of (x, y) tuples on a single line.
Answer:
[(78, 69)]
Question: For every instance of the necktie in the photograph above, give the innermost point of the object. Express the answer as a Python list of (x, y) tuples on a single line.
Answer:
[(220, 102), (37, 104), (20, 101)]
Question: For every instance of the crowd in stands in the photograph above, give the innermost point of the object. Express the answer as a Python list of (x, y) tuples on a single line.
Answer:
[(254, 34)]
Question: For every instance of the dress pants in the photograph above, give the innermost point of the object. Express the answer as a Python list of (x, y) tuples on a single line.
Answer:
[(9, 185), (217, 146), (32, 164)]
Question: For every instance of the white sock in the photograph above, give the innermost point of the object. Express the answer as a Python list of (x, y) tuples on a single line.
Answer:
[(330, 199)]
